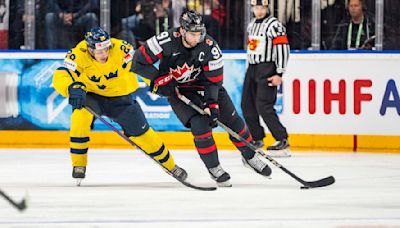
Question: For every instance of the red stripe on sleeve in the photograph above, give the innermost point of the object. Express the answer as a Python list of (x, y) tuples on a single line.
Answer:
[(206, 68), (143, 50), (216, 78), (280, 40), (163, 80)]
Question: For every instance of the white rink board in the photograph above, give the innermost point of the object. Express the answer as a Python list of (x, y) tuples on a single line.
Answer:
[(374, 74), (380, 72), (125, 189)]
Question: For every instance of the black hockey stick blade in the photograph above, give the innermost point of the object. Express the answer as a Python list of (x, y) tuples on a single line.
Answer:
[(319, 183), (20, 206), (187, 184)]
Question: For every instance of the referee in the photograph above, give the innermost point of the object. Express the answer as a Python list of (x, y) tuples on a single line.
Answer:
[(267, 54)]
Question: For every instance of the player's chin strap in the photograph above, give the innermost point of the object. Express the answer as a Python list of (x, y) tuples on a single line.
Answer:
[(306, 184)]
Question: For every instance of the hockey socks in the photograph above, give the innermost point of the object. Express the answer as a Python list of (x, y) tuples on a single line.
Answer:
[(151, 143)]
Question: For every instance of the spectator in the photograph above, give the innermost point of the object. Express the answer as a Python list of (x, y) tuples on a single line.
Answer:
[(16, 37), (356, 32), (70, 16), (119, 15), (163, 16), (151, 18), (177, 7), (17, 20), (213, 15)]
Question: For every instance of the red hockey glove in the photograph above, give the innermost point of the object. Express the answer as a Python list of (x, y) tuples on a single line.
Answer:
[(163, 86), (165, 90)]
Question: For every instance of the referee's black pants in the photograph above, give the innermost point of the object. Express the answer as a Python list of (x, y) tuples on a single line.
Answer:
[(258, 99)]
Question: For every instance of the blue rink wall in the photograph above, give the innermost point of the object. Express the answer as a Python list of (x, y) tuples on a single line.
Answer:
[(321, 105), (40, 107)]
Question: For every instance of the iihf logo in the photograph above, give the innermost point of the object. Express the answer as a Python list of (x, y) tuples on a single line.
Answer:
[(185, 73)]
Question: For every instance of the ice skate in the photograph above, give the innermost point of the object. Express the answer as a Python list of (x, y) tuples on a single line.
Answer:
[(79, 173), (179, 173), (258, 165), (220, 176), (279, 149), (258, 143)]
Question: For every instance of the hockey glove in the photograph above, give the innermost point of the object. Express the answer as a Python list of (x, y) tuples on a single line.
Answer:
[(77, 95), (165, 90), (213, 110)]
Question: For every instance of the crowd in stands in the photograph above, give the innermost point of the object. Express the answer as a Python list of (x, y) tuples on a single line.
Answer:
[(61, 23)]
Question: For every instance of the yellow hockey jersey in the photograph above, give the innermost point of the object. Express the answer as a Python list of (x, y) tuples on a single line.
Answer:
[(109, 79)]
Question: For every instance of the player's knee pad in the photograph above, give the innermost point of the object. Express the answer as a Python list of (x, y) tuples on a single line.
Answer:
[(199, 125), (235, 123), (81, 120), (148, 141), (133, 121)]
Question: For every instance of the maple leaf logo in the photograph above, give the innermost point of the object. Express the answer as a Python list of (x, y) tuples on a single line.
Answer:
[(185, 73), (252, 43)]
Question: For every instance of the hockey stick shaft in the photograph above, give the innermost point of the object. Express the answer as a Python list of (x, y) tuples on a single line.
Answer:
[(20, 206), (109, 125), (320, 183)]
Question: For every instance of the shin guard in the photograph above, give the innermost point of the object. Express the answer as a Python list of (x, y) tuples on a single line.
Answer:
[(152, 144), (240, 128), (207, 149)]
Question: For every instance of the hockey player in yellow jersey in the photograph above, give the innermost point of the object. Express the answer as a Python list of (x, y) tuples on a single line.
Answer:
[(96, 74)]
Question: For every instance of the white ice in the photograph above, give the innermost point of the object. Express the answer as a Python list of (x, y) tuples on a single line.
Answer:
[(123, 188)]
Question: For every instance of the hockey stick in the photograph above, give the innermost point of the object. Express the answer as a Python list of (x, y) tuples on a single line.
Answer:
[(306, 184), (20, 206), (133, 144)]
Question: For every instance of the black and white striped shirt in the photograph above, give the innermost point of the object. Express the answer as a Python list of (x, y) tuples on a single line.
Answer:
[(267, 42)]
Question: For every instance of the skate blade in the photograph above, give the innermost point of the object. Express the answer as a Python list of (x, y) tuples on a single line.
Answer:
[(78, 181), (225, 184)]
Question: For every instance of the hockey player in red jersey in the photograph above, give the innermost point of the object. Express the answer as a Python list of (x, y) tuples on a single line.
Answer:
[(191, 61)]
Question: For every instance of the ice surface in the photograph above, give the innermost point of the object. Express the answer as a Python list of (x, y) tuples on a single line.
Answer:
[(123, 188)]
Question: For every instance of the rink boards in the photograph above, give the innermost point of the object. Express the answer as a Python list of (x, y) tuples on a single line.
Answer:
[(329, 101)]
